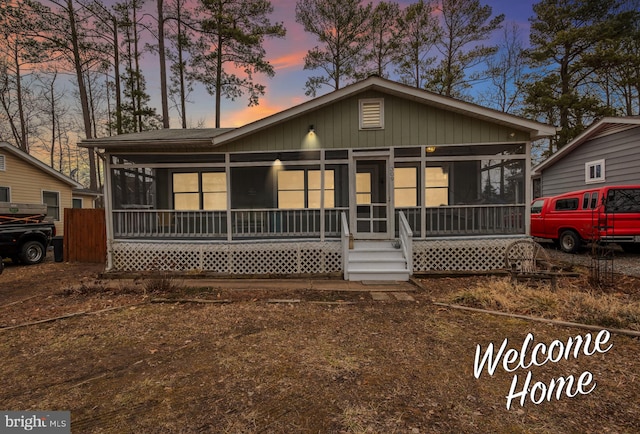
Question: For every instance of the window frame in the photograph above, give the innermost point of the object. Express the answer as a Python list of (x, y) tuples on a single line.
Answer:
[(8, 189), (306, 190), (56, 217), (200, 190), (587, 171)]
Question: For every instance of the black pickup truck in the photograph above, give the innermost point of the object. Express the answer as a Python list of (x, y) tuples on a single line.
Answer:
[(24, 236)]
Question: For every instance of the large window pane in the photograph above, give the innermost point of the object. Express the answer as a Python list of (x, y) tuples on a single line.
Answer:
[(186, 201), (302, 188), (200, 191), (291, 189), (52, 200), (405, 186), (214, 201), (363, 188), (214, 191), (185, 182), (436, 190)]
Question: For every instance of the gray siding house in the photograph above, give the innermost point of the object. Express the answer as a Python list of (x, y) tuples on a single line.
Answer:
[(606, 153), (374, 181)]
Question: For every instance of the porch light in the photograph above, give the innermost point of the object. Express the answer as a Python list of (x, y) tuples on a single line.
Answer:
[(431, 149), (311, 129)]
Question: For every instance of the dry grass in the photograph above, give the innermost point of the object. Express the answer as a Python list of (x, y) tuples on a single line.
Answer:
[(250, 366), (571, 302)]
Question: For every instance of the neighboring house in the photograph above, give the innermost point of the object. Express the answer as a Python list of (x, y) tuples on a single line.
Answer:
[(85, 198), (285, 195), (25, 179), (606, 153)]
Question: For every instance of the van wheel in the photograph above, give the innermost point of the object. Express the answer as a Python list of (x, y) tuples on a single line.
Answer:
[(32, 252), (569, 241)]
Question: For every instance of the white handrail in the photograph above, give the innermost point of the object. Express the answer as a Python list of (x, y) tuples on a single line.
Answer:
[(345, 244), (406, 240)]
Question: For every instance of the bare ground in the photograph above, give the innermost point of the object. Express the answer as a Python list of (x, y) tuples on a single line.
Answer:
[(248, 365)]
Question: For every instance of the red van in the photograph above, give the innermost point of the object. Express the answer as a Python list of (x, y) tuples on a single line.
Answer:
[(609, 214)]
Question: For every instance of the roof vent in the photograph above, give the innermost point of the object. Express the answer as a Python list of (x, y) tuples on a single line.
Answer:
[(371, 113)]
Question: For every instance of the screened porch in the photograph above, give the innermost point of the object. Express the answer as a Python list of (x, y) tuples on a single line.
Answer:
[(448, 191)]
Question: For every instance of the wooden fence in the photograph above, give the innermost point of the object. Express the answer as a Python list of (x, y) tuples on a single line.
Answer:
[(85, 235)]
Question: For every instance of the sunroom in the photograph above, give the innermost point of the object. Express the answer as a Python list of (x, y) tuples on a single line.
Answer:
[(300, 192)]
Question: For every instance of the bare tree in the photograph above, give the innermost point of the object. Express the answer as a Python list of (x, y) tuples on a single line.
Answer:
[(341, 28), (233, 33), (20, 53), (383, 39), (465, 24), (419, 32), (505, 70)]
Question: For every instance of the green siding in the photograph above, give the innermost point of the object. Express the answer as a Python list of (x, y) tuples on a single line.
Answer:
[(407, 123)]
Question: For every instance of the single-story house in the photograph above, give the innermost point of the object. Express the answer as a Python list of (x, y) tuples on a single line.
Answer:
[(606, 153), (373, 181), (25, 179)]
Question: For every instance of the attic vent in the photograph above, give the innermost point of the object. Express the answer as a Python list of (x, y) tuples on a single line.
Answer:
[(371, 113), (3, 165)]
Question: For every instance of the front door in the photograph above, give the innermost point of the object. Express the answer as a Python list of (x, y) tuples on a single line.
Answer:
[(372, 216)]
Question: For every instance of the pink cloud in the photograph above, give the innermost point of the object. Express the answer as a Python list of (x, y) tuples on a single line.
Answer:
[(243, 116), (292, 60)]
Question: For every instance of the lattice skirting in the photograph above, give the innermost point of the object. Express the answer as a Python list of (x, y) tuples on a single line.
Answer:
[(268, 258), (297, 258), (481, 254)]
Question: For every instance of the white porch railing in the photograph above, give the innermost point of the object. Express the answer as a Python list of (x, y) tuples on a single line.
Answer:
[(406, 241), (312, 223), (475, 220), (243, 224), (345, 244)]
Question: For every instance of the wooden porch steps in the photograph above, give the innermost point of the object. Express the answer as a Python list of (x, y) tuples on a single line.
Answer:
[(377, 261)]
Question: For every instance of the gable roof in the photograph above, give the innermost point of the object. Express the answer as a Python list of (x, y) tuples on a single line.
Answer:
[(536, 129), (6, 147), (602, 127), (220, 136)]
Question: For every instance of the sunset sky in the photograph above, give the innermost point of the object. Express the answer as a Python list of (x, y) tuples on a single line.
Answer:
[(286, 89)]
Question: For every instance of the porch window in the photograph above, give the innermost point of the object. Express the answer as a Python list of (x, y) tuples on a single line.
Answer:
[(405, 186), (4, 194), (363, 188), (200, 190), (436, 191), (302, 189)]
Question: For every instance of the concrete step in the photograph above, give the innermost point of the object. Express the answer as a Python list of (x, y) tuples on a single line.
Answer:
[(358, 255), (374, 264), (373, 243), (377, 260), (378, 275)]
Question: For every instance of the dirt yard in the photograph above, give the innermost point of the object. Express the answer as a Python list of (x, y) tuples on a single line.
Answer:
[(142, 358)]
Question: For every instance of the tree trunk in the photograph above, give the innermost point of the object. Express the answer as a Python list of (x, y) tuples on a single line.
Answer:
[(24, 140), (183, 97), (84, 101), (163, 67)]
